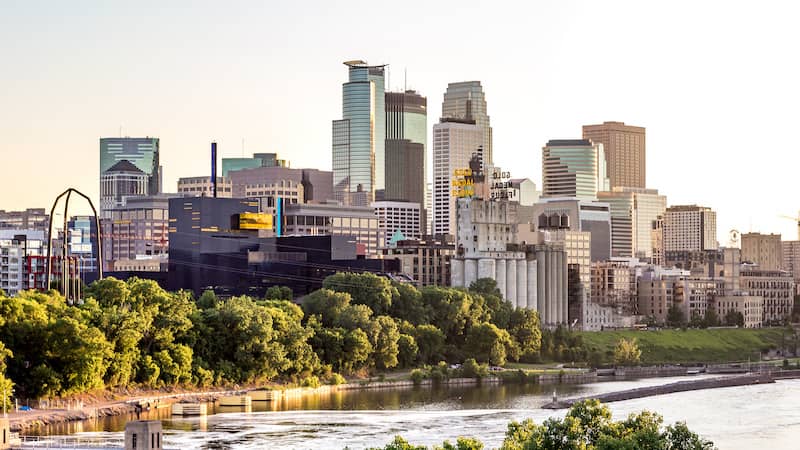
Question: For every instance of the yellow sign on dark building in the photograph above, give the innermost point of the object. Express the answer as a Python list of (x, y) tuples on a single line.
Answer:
[(255, 221)]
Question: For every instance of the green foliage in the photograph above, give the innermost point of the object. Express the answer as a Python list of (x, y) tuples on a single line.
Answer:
[(133, 332), (525, 329), (627, 353), (689, 346), (471, 369), (487, 343), (675, 317), (335, 379), (208, 299), (6, 386), (430, 343), (278, 293), (407, 304), (417, 375), (407, 351), (365, 289), (734, 318), (588, 426), (384, 337), (310, 382)]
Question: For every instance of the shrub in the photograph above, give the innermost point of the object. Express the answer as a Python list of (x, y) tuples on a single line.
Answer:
[(311, 382)]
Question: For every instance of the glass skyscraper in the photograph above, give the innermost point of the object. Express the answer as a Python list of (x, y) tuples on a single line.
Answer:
[(359, 137), (573, 168), (141, 152), (406, 153), (466, 98)]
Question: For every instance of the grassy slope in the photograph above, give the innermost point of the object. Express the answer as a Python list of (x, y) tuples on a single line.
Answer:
[(678, 346)]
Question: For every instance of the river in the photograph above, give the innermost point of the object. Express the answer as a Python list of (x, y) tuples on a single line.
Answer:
[(734, 418)]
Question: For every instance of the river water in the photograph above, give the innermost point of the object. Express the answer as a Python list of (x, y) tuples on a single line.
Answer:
[(734, 418)]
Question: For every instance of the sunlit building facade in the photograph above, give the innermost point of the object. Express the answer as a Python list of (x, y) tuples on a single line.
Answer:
[(359, 137), (573, 168), (633, 211)]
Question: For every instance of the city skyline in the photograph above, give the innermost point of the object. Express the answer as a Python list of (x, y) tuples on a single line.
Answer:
[(70, 90)]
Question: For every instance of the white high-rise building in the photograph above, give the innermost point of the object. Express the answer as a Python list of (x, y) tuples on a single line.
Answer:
[(399, 220), (690, 228), (633, 211), (454, 143), (466, 100)]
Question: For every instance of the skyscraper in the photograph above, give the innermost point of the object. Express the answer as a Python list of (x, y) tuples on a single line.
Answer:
[(359, 137), (455, 105), (690, 228), (455, 141), (406, 155), (118, 183), (573, 168), (633, 211), (625, 152), (141, 152)]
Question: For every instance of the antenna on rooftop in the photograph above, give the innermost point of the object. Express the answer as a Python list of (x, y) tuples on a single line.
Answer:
[(405, 79)]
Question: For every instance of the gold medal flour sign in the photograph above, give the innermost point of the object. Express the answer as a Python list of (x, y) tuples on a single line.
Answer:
[(463, 183)]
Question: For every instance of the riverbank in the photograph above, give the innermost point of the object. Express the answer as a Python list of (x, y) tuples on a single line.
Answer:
[(130, 404)]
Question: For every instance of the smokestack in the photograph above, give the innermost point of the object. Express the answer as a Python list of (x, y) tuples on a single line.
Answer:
[(214, 169)]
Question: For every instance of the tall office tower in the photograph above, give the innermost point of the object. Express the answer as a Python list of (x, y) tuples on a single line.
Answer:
[(118, 183), (406, 155), (359, 137), (573, 168), (633, 211), (466, 100), (141, 152), (625, 152), (763, 249), (455, 141), (690, 228)]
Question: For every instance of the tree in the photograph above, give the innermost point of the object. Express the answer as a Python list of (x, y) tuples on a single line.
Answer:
[(675, 317), (6, 386), (711, 319), (524, 327), (487, 343), (357, 349), (408, 351), (383, 336), (278, 293), (430, 343), (626, 352), (207, 300), (364, 289), (407, 304), (734, 318), (588, 426), (326, 304)]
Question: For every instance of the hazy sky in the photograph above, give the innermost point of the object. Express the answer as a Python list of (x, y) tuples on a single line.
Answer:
[(716, 84)]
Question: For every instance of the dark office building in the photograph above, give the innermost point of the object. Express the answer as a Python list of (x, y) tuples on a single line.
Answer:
[(303, 262), (209, 240), (214, 244), (406, 140)]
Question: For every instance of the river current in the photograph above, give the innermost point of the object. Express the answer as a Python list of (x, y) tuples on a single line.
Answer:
[(734, 418)]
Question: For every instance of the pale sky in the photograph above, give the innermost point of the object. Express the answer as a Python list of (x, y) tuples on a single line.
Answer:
[(716, 84)]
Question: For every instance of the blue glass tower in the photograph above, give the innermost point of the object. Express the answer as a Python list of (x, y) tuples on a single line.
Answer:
[(359, 137)]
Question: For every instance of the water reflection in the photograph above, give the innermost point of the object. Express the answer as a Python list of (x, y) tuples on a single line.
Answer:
[(733, 417)]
